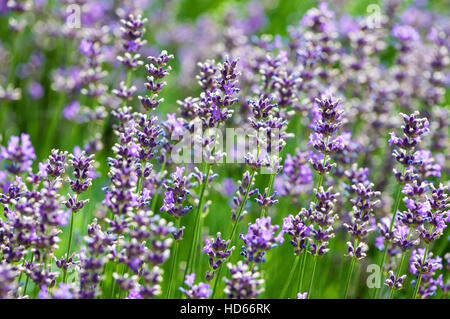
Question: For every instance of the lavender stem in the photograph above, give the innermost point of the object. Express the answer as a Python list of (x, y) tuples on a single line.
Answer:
[(416, 290)]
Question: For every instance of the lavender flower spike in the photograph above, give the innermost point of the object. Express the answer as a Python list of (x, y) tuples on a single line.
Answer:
[(260, 238), (200, 291), (19, 154), (244, 282), (218, 252)]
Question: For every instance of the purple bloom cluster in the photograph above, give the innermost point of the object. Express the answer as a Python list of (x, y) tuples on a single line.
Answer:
[(132, 32), (394, 282), (270, 87), (428, 267), (324, 139), (82, 165), (360, 223), (296, 177), (19, 154), (244, 190), (200, 291), (436, 215), (270, 129), (218, 252), (260, 238), (245, 283), (8, 287), (217, 98), (175, 195), (92, 261), (321, 217), (419, 220), (157, 70), (428, 168), (92, 75), (63, 291), (413, 129), (265, 200), (142, 238), (299, 232), (147, 137), (34, 215)]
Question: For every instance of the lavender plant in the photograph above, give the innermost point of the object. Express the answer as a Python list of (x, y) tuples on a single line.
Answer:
[(120, 181)]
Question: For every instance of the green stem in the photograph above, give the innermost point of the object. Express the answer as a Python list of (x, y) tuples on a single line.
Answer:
[(122, 292), (321, 179), (241, 208), (312, 277), (28, 278), (322, 176), (291, 274), (21, 273), (192, 254), (399, 270), (191, 261), (192, 257), (394, 214), (70, 242), (196, 265), (352, 266), (270, 188), (302, 272), (233, 230), (416, 290), (129, 74), (216, 281), (174, 263), (113, 284), (155, 198)]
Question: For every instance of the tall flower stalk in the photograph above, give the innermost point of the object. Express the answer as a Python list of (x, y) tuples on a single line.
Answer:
[(404, 153), (359, 226), (325, 141), (83, 84), (216, 99), (82, 165)]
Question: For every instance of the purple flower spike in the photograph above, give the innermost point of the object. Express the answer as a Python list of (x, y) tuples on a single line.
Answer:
[(298, 231), (200, 291), (264, 200), (360, 224), (297, 177), (19, 154), (406, 35), (260, 238), (324, 139), (429, 284), (56, 164), (8, 287), (157, 69), (302, 295), (132, 33), (393, 282), (177, 191), (218, 252), (245, 283), (134, 294), (243, 186)]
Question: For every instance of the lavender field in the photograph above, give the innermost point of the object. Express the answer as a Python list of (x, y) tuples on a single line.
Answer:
[(160, 149)]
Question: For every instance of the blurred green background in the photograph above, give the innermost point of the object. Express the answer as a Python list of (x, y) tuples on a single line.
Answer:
[(42, 120)]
